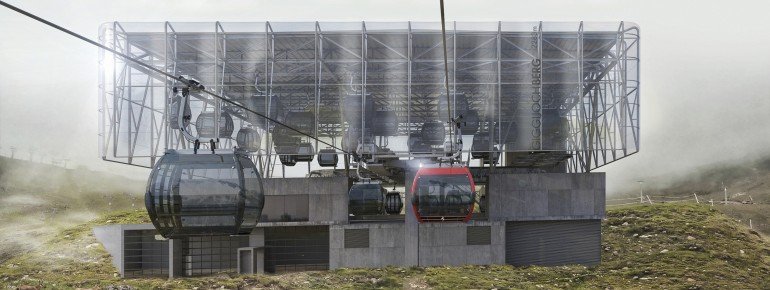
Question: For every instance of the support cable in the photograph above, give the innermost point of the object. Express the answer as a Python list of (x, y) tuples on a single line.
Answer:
[(446, 82), (177, 78)]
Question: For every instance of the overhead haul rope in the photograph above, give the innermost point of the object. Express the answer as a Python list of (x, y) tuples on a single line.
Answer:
[(177, 78), (452, 125)]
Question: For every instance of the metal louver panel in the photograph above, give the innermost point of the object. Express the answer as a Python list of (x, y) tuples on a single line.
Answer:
[(551, 243), (300, 248), (479, 235), (356, 238)]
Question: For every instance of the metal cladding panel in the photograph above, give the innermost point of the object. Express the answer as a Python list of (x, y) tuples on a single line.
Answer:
[(479, 235), (356, 238), (301, 248), (545, 90), (553, 243)]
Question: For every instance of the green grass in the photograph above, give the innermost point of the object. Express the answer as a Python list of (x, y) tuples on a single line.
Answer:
[(702, 251)]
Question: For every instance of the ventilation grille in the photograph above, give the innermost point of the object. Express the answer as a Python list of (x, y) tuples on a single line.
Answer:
[(357, 238), (553, 243), (479, 235), (301, 248)]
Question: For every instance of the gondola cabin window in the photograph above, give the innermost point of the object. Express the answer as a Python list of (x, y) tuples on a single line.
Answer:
[(443, 194)]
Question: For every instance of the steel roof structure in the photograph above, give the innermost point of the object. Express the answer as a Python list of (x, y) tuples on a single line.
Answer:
[(542, 91)]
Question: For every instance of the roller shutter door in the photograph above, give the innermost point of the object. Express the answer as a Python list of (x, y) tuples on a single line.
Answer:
[(551, 243)]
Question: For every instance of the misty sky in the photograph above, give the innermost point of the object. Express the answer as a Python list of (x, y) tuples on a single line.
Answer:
[(705, 69)]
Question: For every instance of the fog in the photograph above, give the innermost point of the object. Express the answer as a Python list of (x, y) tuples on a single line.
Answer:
[(705, 68), (37, 201)]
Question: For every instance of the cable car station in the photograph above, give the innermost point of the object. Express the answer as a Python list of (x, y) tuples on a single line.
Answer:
[(292, 146)]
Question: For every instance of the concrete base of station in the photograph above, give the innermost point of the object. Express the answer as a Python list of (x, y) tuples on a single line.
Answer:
[(532, 219)]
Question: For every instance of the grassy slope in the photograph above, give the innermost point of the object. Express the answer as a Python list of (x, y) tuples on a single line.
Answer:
[(745, 181), (702, 250), (37, 201), (742, 178)]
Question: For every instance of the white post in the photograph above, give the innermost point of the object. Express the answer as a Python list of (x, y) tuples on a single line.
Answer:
[(696, 198), (723, 185), (711, 201), (648, 199), (641, 191), (751, 226)]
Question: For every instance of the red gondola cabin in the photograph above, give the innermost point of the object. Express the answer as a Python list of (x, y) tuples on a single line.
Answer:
[(443, 194)]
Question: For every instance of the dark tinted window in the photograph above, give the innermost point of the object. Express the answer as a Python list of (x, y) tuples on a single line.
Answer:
[(440, 186)]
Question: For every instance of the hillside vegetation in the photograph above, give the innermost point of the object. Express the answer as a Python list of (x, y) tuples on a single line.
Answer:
[(37, 201), (747, 183), (681, 246)]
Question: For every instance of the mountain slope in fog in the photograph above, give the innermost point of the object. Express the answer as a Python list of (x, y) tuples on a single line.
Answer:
[(38, 200), (744, 181), (747, 183)]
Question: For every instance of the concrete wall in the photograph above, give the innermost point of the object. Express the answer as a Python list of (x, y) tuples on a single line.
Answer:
[(386, 246), (411, 226), (112, 238), (437, 244), (327, 196), (445, 244), (430, 244), (546, 196)]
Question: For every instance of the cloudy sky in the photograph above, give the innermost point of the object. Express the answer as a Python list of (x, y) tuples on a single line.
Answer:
[(705, 69)]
